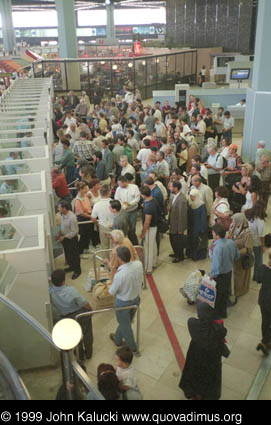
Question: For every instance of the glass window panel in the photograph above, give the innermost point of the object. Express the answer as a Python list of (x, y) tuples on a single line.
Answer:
[(141, 76), (41, 19), (161, 72)]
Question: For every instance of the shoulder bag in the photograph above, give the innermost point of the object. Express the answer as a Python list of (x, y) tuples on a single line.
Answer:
[(247, 260)]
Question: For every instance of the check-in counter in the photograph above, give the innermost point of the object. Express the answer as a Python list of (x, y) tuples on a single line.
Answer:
[(24, 280)]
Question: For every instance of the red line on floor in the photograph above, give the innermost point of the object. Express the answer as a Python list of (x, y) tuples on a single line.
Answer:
[(167, 323)]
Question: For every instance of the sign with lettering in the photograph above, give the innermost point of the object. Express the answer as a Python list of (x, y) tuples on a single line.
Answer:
[(207, 291)]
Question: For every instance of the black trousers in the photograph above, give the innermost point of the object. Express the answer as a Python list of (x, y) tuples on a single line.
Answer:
[(85, 232), (95, 238), (266, 324), (213, 181), (86, 344), (178, 244), (72, 254), (223, 290)]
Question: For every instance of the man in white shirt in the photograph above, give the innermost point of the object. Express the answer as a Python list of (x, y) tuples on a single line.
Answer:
[(205, 192), (199, 131), (74, 132), (228, 125), (144, 153), (101, 212), (126, 167), (129, 97), (69, 119), (126, 287), (158, 113), (162, 165), (129, 196)]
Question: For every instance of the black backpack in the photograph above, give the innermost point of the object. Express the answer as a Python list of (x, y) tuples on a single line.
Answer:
[(225, 162)]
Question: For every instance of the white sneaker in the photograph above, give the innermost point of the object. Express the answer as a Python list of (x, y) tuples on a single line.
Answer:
[(84, 256), (87, 251)]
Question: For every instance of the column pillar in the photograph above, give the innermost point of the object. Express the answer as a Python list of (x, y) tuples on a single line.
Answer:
[(7, 26), (259, 96), (110, 22), (67, 39)]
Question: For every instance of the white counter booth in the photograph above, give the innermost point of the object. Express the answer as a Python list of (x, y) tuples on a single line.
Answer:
[(34, 160), (17, 123), (24, 280), (14, 143), (27, 195)]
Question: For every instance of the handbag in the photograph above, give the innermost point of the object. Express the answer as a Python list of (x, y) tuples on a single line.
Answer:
[(267, 240), (247, 260), (162, 225)]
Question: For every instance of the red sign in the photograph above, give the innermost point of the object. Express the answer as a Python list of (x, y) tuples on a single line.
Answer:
[(137, 47)]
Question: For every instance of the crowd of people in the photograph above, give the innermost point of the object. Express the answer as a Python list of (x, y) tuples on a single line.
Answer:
[(178, 168)]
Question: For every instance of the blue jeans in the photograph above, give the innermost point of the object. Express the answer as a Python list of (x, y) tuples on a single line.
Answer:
[(258, 255), (124, 319)]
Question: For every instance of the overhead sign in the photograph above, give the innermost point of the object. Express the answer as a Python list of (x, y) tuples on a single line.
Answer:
[(5, 74)]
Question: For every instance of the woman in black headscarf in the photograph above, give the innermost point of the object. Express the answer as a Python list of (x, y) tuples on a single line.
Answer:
[(202, 374)]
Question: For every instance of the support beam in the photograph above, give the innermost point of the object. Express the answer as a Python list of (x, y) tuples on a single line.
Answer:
[(67, 39), (259, 96), (7, 26), (110, 22)]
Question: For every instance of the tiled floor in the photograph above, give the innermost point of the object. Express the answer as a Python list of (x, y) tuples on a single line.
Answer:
[(157, 369)]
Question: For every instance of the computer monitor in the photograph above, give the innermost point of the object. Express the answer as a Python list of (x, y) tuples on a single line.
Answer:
[(240, 74)]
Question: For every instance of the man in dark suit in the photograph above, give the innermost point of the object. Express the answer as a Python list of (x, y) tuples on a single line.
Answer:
[(177, 221), (72, 100)]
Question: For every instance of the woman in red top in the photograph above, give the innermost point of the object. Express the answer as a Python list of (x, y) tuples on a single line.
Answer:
[(82, 209)]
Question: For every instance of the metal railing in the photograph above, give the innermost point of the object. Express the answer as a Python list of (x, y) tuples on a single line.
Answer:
[(82, 376), (146, 73), (11, 386), (106, 310), (140, 252)]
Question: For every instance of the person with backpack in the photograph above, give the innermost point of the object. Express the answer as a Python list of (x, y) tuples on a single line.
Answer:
[(214, 164)]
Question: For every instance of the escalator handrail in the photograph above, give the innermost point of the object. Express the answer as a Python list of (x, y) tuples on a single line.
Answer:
[(39, 328), (29, 319), (12, 378)]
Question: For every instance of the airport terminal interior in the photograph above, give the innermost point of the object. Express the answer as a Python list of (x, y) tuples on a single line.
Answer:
[(135, 181)]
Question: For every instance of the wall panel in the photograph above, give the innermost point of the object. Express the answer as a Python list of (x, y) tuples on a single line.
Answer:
[(210, 23)]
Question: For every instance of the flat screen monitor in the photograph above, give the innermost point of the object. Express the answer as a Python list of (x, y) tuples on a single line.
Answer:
[(240, 74)]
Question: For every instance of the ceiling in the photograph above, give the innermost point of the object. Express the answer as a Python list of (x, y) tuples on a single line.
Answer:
[(37, 5)]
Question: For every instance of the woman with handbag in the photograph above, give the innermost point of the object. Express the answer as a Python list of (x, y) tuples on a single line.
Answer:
[(202, 375), (220, 212), (197, 237), (242, 236)]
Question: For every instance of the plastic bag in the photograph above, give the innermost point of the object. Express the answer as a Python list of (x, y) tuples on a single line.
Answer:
[(191, 287), (90, 283), (207, 291)]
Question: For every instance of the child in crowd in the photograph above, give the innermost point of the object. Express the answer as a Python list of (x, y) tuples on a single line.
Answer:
[(125, 373)]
